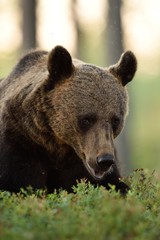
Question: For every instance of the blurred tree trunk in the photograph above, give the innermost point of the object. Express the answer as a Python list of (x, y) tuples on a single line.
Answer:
[(79, 32), (114, 31), (114, 50), (29, 23)]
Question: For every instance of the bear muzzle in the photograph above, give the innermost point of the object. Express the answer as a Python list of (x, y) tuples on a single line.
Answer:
[(99, 168)]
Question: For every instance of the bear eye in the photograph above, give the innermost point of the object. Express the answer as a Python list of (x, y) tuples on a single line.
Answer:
[(86, 122), (115, 122)]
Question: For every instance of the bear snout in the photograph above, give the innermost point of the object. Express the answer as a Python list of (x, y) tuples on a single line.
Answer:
[(105, 161), (100, 166)]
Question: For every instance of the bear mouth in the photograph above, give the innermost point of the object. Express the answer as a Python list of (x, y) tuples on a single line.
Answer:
[(97, 173)]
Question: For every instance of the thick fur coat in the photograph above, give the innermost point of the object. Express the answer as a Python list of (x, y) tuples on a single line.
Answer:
[(59, 117)]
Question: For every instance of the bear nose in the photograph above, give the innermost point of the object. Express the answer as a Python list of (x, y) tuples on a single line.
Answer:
[(105, 161)]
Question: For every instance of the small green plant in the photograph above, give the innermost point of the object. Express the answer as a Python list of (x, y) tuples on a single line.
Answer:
[(87, 213)]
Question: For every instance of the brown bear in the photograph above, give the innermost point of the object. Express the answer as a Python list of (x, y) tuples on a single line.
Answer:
[(59, 117)]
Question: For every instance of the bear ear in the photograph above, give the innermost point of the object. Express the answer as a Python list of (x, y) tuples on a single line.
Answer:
[(59, 64), (126, 67)]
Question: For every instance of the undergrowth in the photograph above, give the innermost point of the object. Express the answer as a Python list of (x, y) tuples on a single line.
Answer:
[(88, 213)]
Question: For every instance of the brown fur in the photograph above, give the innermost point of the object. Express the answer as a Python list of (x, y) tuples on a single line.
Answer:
[(58, 116)]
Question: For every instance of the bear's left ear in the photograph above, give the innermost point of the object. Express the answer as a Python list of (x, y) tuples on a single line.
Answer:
[(125, 69), (59, 64)]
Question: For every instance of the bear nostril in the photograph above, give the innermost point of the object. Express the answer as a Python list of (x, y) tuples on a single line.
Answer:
[(105, 161)]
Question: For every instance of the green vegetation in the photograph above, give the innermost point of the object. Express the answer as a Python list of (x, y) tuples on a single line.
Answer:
[(89, 213), (7, 62), (144, 121)]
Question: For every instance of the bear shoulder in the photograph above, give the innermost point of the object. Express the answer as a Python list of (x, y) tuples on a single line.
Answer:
[(27, 61)]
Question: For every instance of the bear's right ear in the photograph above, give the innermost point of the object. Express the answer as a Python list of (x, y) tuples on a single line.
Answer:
[(59, 64)]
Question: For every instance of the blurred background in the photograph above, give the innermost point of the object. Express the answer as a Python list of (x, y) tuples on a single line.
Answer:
[(97, 32)]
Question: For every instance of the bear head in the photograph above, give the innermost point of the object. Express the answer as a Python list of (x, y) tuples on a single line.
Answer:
[(89, 106)]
